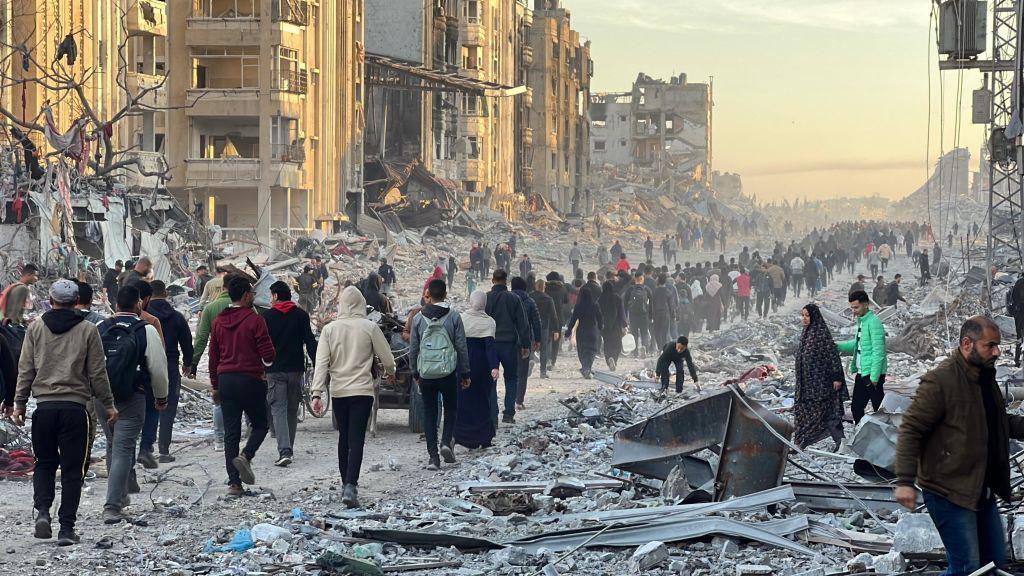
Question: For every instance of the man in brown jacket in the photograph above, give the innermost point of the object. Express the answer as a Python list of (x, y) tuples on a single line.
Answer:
[(63, 366), (953, 444)]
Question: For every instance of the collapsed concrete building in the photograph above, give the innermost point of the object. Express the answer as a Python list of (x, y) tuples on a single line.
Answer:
[(658, 124)]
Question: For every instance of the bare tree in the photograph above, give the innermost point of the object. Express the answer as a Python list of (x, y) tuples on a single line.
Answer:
[(64, 81)]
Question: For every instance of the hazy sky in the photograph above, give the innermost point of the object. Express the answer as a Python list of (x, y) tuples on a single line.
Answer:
[(813, 98)]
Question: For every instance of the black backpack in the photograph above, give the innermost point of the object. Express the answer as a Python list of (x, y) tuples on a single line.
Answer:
[(15, 335), (637, 301), (126, 354)]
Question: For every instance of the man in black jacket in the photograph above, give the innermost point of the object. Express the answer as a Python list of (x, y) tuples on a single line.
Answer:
[(550, 329), (555, 288), (533, 316), (676, 353), (177, 336), (511, 337), (638, 305), (290, 330), (387, 275)]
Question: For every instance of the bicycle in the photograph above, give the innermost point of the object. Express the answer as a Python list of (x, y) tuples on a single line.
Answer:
[(307, 395)]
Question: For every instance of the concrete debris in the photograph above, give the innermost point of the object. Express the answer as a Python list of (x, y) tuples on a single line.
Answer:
[(917, 537), (648, 556), (889, 563)]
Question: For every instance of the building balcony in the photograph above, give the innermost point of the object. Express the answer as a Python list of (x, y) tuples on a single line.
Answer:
[(292, 81), (148, 162), (474, 73), (291, 11), (286, 174), (223, 172), (292, 153), (153, 89), (240, 31), (472, 169), (223, 102), (472, 32), (146, 18), (471, 124)]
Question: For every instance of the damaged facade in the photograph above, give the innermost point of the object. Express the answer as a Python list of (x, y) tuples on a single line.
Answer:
[(559, 125), (443, 94), (266, 119), (658, 124)]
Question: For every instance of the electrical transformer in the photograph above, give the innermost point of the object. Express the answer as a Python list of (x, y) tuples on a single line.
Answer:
[(963, 28)]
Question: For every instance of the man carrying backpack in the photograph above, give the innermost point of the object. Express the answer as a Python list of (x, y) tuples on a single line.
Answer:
[(240, 351), (440, 360), (511, 337), (639, 301), (289, 329), (62, 366), (136, 366)]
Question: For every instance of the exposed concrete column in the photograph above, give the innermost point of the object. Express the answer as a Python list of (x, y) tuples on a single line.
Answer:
[(263, 193)]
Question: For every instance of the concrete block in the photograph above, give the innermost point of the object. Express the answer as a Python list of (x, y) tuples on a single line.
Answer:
[(916, 535), (648, 556), (890, 563)]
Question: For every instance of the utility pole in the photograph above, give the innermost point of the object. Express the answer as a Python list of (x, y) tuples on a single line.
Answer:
[(958, 31)]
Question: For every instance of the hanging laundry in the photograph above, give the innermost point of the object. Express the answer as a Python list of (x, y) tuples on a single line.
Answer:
[(70, 142), (67, 47)]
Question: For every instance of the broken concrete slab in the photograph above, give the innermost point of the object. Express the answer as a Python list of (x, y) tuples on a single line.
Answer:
[(648, 556), (917, 537)]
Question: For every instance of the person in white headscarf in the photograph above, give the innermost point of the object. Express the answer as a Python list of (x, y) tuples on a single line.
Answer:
[(477, 416), (713, 303)]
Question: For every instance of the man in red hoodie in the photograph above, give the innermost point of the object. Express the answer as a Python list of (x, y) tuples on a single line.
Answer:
[(240, 351)]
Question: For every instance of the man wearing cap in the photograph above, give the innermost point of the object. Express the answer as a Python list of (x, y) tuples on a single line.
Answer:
[(62, 365)]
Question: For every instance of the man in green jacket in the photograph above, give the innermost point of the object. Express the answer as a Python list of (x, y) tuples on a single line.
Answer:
[(954, 445), (868, 351), (210, 312)]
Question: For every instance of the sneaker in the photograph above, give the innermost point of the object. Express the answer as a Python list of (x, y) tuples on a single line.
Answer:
[(544, 375), (166, 459), (519, 407), (434, 463), (350, 496), (283, 461), (43, 529), (235, 491), (218, 445), (244, 467), (133, 485), (113, 515), (67, 537), (508, 419), (448, 454), (147, 459)]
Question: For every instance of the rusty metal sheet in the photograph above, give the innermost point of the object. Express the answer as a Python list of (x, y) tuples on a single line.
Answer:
[(752, 459)]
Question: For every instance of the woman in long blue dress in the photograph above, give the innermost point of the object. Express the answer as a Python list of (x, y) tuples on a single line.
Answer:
[(477, 414)]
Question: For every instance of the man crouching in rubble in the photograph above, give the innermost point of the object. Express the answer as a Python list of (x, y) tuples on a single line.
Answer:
[(675, 353), (953, 444)]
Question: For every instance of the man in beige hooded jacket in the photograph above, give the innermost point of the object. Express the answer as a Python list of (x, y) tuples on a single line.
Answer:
[(346, 354)]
